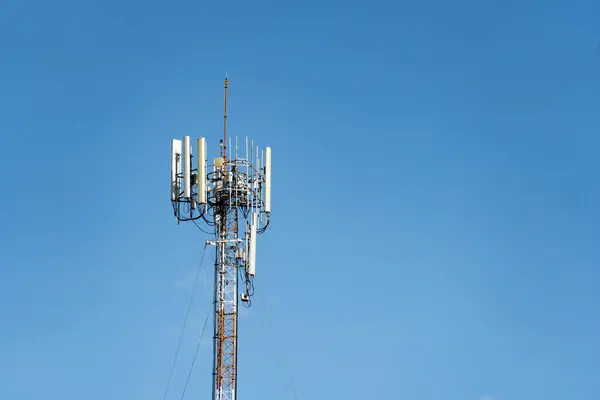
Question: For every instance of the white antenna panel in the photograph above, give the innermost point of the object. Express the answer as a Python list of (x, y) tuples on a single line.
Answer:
[(201, 178), (252, 260), (187, 159), (268, 179), (175, 167)]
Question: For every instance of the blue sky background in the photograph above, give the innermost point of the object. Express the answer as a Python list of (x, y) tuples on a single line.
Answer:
[(435, 205)]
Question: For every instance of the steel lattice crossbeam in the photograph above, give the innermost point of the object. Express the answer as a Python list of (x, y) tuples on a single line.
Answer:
[(226, 302)]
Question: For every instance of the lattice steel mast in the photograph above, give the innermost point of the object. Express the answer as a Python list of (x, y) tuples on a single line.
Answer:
[(234, 196)]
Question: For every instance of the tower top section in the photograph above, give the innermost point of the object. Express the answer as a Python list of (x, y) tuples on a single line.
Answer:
[(241, 168)]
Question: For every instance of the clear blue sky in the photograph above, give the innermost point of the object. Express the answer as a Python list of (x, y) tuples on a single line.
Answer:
[(435, 208)]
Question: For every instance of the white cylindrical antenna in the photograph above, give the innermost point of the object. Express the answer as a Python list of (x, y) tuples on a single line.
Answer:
[(252, 260), (247, 170), (187, 159), (261, 195), (175, 167), (201, 178), (268, 179)]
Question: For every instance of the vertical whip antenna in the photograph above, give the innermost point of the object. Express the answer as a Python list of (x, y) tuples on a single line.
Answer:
[(225, 123)]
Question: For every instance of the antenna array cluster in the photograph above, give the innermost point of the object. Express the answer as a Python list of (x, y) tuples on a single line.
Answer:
[(242, 184)]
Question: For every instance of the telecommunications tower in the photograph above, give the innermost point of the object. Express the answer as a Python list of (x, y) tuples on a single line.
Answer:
[(232, 196)]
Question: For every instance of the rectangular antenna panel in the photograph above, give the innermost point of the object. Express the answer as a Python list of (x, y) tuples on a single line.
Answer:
[(175, 167), (268, 179), (187, 159), (252, 255), (201, 178)]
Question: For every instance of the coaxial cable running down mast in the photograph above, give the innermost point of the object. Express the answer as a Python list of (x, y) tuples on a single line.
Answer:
[(232, 196)]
